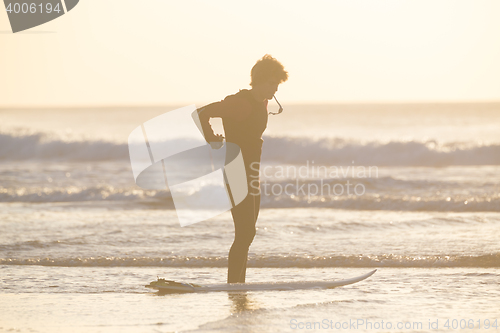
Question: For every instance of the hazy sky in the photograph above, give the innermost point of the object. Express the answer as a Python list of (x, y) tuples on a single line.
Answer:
[(155, 52)]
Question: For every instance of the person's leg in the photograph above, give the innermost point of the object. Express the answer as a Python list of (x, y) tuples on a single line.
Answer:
[(244, 233), (245, 217), (256, 208)]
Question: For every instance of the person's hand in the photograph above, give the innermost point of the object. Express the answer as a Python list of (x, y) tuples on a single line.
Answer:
[(217, 141)]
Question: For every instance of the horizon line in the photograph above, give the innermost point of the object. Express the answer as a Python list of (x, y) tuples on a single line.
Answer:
[(175, 104)]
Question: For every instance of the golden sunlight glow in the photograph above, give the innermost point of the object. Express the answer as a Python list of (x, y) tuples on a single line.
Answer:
[(124, 52)]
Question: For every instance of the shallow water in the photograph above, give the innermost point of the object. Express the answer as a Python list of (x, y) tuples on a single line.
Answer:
[(83, 268), (111, 299)]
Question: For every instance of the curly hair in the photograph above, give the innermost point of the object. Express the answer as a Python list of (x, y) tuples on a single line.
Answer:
[(268, 68)]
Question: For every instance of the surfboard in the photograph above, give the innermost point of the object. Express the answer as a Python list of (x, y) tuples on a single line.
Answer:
[(168, 286)]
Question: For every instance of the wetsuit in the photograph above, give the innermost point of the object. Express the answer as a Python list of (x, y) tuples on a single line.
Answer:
[(244, 120)]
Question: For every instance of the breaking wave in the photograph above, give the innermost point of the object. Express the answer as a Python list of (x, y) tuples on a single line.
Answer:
[(22, 145), (278, 261), (385, 193)]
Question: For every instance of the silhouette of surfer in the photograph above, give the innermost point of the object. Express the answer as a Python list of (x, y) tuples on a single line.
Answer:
[(244, 117)]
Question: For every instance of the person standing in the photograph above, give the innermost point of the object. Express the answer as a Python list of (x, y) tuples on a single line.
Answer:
[(244, 118)]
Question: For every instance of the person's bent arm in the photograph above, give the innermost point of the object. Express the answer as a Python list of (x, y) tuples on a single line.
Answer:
[(204, 114), (232, 107)]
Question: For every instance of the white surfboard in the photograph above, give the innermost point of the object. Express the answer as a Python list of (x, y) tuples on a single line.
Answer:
[(167, 286)]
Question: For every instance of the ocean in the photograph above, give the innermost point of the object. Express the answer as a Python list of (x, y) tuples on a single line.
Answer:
[(412, 190)]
